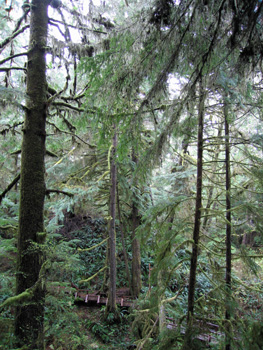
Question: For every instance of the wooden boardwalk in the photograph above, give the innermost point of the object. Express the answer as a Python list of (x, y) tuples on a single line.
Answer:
[(122, 299)]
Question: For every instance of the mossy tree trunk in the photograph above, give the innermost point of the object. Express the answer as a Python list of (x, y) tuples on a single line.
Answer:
[(29, 318), (228, 230), (197, 220), (125, 254), (136, 249), (111, 306), (210, 201)]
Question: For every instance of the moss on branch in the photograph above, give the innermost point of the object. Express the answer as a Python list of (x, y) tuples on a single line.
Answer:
[(93, 276), (93, 247)]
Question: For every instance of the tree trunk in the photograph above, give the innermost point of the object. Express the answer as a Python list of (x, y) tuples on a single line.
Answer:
[(197, 222), (136, 249), (29, 318), (111, 306), (125, 255), (216, 152), (228, 230), (161, 307)]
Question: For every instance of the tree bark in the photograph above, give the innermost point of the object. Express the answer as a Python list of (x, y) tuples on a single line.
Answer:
[(29, 318), (228, 230), (197, 222)]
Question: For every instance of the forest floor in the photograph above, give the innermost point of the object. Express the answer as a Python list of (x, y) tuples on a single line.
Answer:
[(102, 335), (89, 331)]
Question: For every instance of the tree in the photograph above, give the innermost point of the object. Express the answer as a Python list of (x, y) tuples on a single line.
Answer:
[(197, 218), (31, 268), (29, 321), (111, 306), (136, 253), (228, 228)]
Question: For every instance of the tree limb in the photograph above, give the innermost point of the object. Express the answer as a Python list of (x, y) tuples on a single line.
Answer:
[(67, 105), (75, 27), (48, 191), (58, 93), (20, 20), (8, 227), (11, 37), (7, 69), (28, 294), (9, 187), (93, 276), (49, 153), (13, 56), (94, 246), (143, 341)]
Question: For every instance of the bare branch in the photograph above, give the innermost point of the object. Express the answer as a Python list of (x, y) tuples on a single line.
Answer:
[(59, 192), (13, 56), (67, 105), (55, 93), (9, 187), (7, 69), (70, 133), (53, 22), (20, 20), (48, 153)]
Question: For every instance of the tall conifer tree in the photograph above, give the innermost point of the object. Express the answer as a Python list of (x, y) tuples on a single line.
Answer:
[(30, 318)]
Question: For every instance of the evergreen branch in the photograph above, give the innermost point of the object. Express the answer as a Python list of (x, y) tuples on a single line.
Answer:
[(48, 191), (206, 55), (161, 78), (9, 187), (93, 247), (14, 35)]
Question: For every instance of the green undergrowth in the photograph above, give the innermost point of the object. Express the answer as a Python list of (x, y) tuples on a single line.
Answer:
[(83, 327)]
